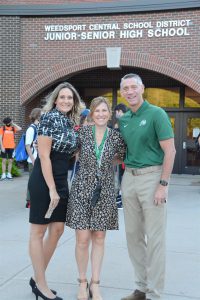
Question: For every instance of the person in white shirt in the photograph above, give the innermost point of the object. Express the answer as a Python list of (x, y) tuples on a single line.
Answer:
[(30, 142)]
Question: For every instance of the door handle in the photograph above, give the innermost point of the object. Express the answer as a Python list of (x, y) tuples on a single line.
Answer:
[(184, 145)]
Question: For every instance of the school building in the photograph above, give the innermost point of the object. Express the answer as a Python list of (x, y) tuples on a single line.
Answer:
[(92, 44)]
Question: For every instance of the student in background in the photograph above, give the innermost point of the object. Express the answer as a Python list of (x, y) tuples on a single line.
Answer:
[(30, 142), (85, 119), (7, 143), (120, 109)]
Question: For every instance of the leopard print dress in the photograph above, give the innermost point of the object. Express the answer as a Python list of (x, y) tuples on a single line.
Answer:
[(80, 213)]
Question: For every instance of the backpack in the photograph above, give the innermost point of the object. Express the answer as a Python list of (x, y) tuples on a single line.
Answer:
[(197, 143), (20, 151)]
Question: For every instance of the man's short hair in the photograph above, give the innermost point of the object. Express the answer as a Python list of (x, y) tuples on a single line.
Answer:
[(136, 77), (121, 107)]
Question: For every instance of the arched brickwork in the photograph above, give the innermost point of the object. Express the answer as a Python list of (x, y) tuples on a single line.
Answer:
[(128, 59)]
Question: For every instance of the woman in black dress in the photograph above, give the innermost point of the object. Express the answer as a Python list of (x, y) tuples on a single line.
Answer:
[(48, 186)]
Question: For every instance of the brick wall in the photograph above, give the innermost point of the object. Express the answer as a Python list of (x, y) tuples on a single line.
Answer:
[(46, 61), (10, 69), (32, 64)]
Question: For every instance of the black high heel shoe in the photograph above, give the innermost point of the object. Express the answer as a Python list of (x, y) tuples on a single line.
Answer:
[(37, 293), (32, 283)]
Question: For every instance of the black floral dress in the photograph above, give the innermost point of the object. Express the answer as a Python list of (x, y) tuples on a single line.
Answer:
[(80, 213)]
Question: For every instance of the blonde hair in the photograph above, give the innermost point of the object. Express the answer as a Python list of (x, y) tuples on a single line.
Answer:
[(52, 97), (96, 102)]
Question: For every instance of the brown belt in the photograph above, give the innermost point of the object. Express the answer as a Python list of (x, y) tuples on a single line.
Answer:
[(142, 171)]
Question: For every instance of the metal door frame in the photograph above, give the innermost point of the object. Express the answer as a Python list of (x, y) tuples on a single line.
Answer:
[(185, 169), (177, 169)]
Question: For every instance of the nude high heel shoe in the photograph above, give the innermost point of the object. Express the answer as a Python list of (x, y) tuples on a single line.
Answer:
[(93, 296), (85, 295)]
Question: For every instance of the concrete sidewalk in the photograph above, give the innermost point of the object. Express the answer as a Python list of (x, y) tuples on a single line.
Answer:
[(117, 280)]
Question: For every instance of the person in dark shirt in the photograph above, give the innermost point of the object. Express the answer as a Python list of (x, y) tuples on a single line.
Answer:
[(120, 109), (31, 144)]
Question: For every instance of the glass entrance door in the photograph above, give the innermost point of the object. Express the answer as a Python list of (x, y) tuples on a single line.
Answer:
[(175, 120), (191, 158)]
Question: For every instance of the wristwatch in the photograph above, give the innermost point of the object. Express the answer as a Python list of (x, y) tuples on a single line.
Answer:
[(163, 182)]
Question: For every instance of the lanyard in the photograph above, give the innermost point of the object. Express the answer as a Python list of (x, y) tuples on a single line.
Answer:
[(99, 149)]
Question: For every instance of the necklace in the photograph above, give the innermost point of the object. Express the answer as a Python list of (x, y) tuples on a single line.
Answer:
[(99, 149)]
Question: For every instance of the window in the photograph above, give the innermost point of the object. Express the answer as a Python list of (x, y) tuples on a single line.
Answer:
[(89, 94), (163, 97), (192, 98)]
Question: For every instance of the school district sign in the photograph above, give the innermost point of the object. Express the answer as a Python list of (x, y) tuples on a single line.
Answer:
[(131, 30)]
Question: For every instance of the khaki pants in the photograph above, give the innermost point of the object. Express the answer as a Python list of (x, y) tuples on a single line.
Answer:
[(145, 225)]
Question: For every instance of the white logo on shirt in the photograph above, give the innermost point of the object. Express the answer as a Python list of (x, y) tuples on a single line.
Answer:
[(143, 123), (125, 125)]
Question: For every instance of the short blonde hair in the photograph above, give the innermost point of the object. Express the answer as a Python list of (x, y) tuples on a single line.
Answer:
[(97, 101)]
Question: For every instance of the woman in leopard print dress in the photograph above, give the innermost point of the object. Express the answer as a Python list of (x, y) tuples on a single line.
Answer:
[(98, 147)]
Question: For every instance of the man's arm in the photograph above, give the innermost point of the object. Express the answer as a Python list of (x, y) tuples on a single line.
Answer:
[(168, 162), (169, 156)]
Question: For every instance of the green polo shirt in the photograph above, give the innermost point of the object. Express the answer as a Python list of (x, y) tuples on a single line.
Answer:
[(142, 132)]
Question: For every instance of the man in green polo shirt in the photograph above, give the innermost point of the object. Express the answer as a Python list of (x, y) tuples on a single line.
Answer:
[(149, 161)]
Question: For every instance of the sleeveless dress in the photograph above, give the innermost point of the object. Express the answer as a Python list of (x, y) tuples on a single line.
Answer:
[(64, 142)]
